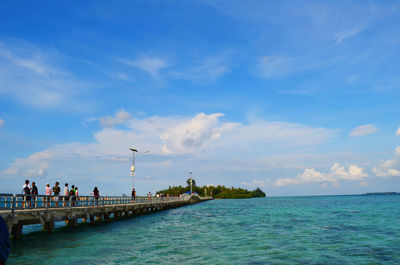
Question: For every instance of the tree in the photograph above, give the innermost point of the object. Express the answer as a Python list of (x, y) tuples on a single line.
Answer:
[(258, 193), (193, 182), (219, 192)]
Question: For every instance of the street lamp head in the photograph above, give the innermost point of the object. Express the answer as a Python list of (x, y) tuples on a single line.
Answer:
[(133, 149)]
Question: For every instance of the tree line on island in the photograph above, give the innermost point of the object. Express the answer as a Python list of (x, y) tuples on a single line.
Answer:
[(218, 192)]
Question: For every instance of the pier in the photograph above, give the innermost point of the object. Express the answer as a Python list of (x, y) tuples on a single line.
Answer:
[(20, 210)]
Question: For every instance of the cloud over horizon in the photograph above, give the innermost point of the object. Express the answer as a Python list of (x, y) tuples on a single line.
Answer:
[(337, 172), (204, 136)]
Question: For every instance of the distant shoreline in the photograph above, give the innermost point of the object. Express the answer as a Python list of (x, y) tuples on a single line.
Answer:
[(380, 193), (334, 195)]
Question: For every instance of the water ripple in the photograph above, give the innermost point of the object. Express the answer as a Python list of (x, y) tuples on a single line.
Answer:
[(296, 230)]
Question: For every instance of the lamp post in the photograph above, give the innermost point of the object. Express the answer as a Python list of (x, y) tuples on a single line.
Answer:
[(191, 182), (134, 150), (133, 166)]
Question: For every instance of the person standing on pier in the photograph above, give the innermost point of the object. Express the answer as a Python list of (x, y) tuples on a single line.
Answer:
[(26, 190), (66, 194), (134, 194), (96, 194), (56, 191), (48, 193), (34, 189), (34, 192), (72, 194), (76, 195)]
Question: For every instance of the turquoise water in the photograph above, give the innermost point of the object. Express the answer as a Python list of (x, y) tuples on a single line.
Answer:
[(281, 230)]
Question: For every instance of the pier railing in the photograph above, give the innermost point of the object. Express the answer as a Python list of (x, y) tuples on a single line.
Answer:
[(19, 201)]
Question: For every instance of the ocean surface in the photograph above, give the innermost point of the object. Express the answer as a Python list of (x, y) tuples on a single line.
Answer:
[(279, 230)]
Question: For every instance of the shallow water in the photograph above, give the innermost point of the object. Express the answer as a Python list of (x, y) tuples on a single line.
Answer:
[(280, 230)]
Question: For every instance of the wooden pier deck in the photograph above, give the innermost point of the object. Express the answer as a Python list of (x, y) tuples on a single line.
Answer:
[(18, 212)]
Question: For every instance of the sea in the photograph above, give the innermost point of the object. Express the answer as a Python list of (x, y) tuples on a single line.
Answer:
[(272, 230)]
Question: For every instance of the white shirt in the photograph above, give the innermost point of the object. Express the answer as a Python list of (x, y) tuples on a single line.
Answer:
[(23, 187), (66, 191)]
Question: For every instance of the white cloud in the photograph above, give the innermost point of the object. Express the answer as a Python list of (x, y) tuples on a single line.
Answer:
[(337, 172), (120, 117), (398, 131), (397, 151), (353, 173), (193, 134), (34, 165), (150, 64), (32, 76), (388, 168), (204, 136), (339, 37), (364, 130), (1, 122), (309, 175)]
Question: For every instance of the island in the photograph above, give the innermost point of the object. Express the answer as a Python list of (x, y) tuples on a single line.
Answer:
[(218, 192), (381, 193)]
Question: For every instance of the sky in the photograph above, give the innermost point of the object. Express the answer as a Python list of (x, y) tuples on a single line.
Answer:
[(295, 97)]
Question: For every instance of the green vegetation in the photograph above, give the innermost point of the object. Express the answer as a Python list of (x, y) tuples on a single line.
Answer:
[(190, 180), (381, 193), (218, 192)]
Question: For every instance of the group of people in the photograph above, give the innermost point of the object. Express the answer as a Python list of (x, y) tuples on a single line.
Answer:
[(67, 195), (166, 196)]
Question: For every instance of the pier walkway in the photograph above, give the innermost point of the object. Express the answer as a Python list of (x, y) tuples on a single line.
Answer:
[(20, 210)]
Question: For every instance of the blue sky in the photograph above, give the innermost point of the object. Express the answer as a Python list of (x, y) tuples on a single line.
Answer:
[(296, 97)]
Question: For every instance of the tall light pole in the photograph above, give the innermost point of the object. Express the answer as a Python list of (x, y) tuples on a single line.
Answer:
[(191, 182), (133, 166), (134, 150)]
